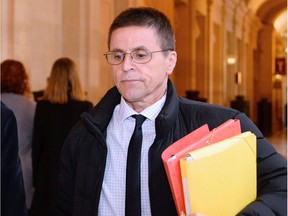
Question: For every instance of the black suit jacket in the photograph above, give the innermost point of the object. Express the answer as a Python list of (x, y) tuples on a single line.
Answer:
[(52, 124)]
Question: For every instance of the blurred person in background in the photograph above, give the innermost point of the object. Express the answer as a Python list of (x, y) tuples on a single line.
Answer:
[(16, 95), (56, 113)]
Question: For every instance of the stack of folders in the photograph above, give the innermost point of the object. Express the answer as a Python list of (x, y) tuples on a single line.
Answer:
[(212, 172)]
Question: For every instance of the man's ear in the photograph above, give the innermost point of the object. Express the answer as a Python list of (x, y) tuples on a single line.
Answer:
[(172, 59)]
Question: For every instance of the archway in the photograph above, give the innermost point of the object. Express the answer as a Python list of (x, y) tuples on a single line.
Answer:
[(270, 87)]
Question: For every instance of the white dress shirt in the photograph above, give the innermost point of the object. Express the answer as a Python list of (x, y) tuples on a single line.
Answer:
[(119, 132)]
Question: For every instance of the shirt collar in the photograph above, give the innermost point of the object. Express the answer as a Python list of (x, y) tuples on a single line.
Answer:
[(150, 112)]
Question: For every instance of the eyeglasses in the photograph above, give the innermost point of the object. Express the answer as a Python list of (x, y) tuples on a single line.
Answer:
[(139, 56)]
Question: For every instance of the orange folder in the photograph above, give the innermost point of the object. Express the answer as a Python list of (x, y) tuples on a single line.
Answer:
[(196, 139)]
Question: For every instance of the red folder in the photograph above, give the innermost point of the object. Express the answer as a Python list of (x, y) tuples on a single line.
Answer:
[(194, 140)]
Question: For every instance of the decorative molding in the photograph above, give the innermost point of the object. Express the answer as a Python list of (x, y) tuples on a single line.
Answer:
[(229, 15), (240, 13), (216, 11)]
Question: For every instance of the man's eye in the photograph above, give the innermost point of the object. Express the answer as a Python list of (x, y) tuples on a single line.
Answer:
[(140, 54), (118, 56)]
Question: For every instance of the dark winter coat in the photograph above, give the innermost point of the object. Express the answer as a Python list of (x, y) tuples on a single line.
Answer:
[(85, 151)]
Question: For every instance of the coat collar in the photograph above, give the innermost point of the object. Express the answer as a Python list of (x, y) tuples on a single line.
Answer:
[(101, 114), (169, 112)]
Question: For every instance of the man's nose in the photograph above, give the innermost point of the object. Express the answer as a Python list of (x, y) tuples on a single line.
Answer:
[(128, 62)]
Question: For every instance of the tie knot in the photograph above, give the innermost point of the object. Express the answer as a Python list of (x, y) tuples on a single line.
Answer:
[(139, 119)]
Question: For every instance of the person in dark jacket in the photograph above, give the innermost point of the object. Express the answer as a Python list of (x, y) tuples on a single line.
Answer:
[(92, 179), (13, 201), (56, 113)]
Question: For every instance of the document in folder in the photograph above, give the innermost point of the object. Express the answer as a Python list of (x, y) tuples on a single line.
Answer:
[(199, 138), (220, 179)]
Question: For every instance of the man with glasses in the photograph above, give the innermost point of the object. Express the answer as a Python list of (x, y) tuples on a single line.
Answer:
[(96, 177)]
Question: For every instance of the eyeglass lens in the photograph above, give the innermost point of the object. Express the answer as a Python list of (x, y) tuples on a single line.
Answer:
[(139, 56)]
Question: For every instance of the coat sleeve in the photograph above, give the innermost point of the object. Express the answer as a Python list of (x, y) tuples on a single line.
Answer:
[(271, 176), (66, 178)]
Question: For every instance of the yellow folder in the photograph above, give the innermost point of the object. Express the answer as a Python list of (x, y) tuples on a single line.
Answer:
[(196, 139), (220, 179)]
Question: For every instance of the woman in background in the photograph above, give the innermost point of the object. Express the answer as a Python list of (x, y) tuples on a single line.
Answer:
[(56, 113), (16, 95)]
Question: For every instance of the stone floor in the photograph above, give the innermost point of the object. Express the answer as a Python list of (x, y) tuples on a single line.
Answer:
[(279, 141)]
